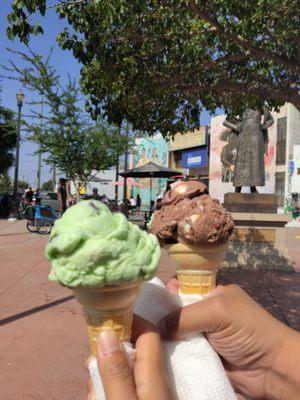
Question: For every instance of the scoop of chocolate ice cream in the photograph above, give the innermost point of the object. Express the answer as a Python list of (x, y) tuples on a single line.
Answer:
[(190, 215), (188, 189), (208, 224)]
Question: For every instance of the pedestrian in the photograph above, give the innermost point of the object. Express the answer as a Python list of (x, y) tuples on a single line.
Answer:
[(29, 196), (37, 196), (95, 195), (132, 202), (152, 206), (138, 203), (62, 195)]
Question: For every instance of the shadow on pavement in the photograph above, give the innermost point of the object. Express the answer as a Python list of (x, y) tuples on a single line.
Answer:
[(34, 310)]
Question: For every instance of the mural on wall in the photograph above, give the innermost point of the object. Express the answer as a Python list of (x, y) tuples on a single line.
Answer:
[(222, 157), (156, 150)]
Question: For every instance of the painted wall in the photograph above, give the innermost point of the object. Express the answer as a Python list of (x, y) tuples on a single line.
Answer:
[(220, 177), (155, 149)]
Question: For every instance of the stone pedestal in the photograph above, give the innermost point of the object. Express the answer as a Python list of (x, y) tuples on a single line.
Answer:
[(258, 242), (250, 203)]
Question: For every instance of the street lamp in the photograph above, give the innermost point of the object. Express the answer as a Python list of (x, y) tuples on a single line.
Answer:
[(20, 100)]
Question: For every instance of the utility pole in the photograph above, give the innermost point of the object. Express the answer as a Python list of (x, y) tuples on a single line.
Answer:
[(126, 165), (54, 177), (39, 154), (117, 170), (20, 99)]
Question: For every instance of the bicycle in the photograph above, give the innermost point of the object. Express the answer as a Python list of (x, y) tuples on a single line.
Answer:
[(40, 219)]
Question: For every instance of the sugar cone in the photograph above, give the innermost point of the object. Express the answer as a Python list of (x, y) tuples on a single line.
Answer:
[(109, 307), (197, 266), (196, 282)]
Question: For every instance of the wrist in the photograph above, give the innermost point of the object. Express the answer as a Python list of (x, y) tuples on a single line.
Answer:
[(284, 376)]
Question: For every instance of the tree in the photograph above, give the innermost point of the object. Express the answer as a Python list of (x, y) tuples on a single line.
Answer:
[(47, 186), (157, 63), (69, 140), (74, 145), (5, 183), (8, 138), (23, 185)]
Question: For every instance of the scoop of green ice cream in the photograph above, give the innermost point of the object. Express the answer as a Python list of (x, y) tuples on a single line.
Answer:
[(90, 246)]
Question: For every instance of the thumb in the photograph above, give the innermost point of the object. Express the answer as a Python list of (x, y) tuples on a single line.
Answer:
[(114, 368)]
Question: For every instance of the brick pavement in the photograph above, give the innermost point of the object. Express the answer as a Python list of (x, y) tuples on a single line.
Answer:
[(43, 340)]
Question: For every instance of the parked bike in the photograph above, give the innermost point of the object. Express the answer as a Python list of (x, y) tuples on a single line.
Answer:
[(40, 219)]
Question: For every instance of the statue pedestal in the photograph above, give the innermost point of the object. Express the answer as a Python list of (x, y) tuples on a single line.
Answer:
[(250, 203), (258, 241)]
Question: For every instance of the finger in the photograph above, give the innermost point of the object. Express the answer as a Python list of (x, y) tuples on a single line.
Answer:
[(114, 368), (149, 370), (140, 326), (173, 285), (91, 391), (87, 362), (203, 316)]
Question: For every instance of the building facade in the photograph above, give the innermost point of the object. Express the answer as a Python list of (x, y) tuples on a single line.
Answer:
[(155, 149), (287, 176), (189, 153)]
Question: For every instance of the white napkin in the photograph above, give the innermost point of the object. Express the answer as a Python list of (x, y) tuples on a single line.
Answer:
[(195, 370)]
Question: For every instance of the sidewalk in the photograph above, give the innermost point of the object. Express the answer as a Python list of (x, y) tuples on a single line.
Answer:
[(43, 339)]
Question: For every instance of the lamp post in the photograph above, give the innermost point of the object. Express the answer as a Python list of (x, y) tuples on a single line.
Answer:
[(20, 100)]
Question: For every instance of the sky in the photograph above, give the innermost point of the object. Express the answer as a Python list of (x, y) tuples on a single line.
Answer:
[(64, 63)]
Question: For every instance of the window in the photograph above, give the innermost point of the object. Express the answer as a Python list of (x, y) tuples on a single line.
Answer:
[(279, 188), (281, 141), (177, 159)]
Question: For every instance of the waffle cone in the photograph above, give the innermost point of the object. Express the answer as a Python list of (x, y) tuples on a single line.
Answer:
[(196, 266), (110, 307), (196, 281)]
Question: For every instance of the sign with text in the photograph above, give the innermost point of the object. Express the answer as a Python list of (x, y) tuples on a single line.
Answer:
[(195, 158), (187, 140)]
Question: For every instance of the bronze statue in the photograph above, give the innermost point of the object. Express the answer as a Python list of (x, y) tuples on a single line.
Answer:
[(252, 144)]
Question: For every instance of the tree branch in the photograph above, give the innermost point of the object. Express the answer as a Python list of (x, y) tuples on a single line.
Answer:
[(224, 86), (63, 3), (262, 53)]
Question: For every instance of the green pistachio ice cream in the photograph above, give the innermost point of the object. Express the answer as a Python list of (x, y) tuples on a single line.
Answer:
[(89, 246)]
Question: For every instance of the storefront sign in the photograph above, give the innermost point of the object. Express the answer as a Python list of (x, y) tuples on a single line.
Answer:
[(195, 158), (189, 139)]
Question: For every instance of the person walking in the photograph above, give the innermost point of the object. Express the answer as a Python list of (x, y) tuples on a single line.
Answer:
[(138, 203), (62, 195), (95, 195)]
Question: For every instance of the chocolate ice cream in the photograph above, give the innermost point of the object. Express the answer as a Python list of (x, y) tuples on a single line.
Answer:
[(189, 215)]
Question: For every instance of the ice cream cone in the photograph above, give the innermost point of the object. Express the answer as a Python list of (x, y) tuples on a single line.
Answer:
[(197, 266), (195, 281), (109, 307)]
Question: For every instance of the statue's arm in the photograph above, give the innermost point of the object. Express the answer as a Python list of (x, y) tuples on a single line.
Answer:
[(268, 119), (224, 158), (230, 125), (267, 122)]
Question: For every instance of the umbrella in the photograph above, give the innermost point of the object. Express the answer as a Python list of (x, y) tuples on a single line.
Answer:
[(100, 180), (150, 170), (129, 182)]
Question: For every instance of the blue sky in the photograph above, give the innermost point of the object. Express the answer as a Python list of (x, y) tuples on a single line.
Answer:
[(64, 63)]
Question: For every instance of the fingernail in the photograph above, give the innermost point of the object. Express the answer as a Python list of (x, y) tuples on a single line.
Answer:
[(108, 342)]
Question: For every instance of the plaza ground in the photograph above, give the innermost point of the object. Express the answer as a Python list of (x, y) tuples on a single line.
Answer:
[(43, 340)]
